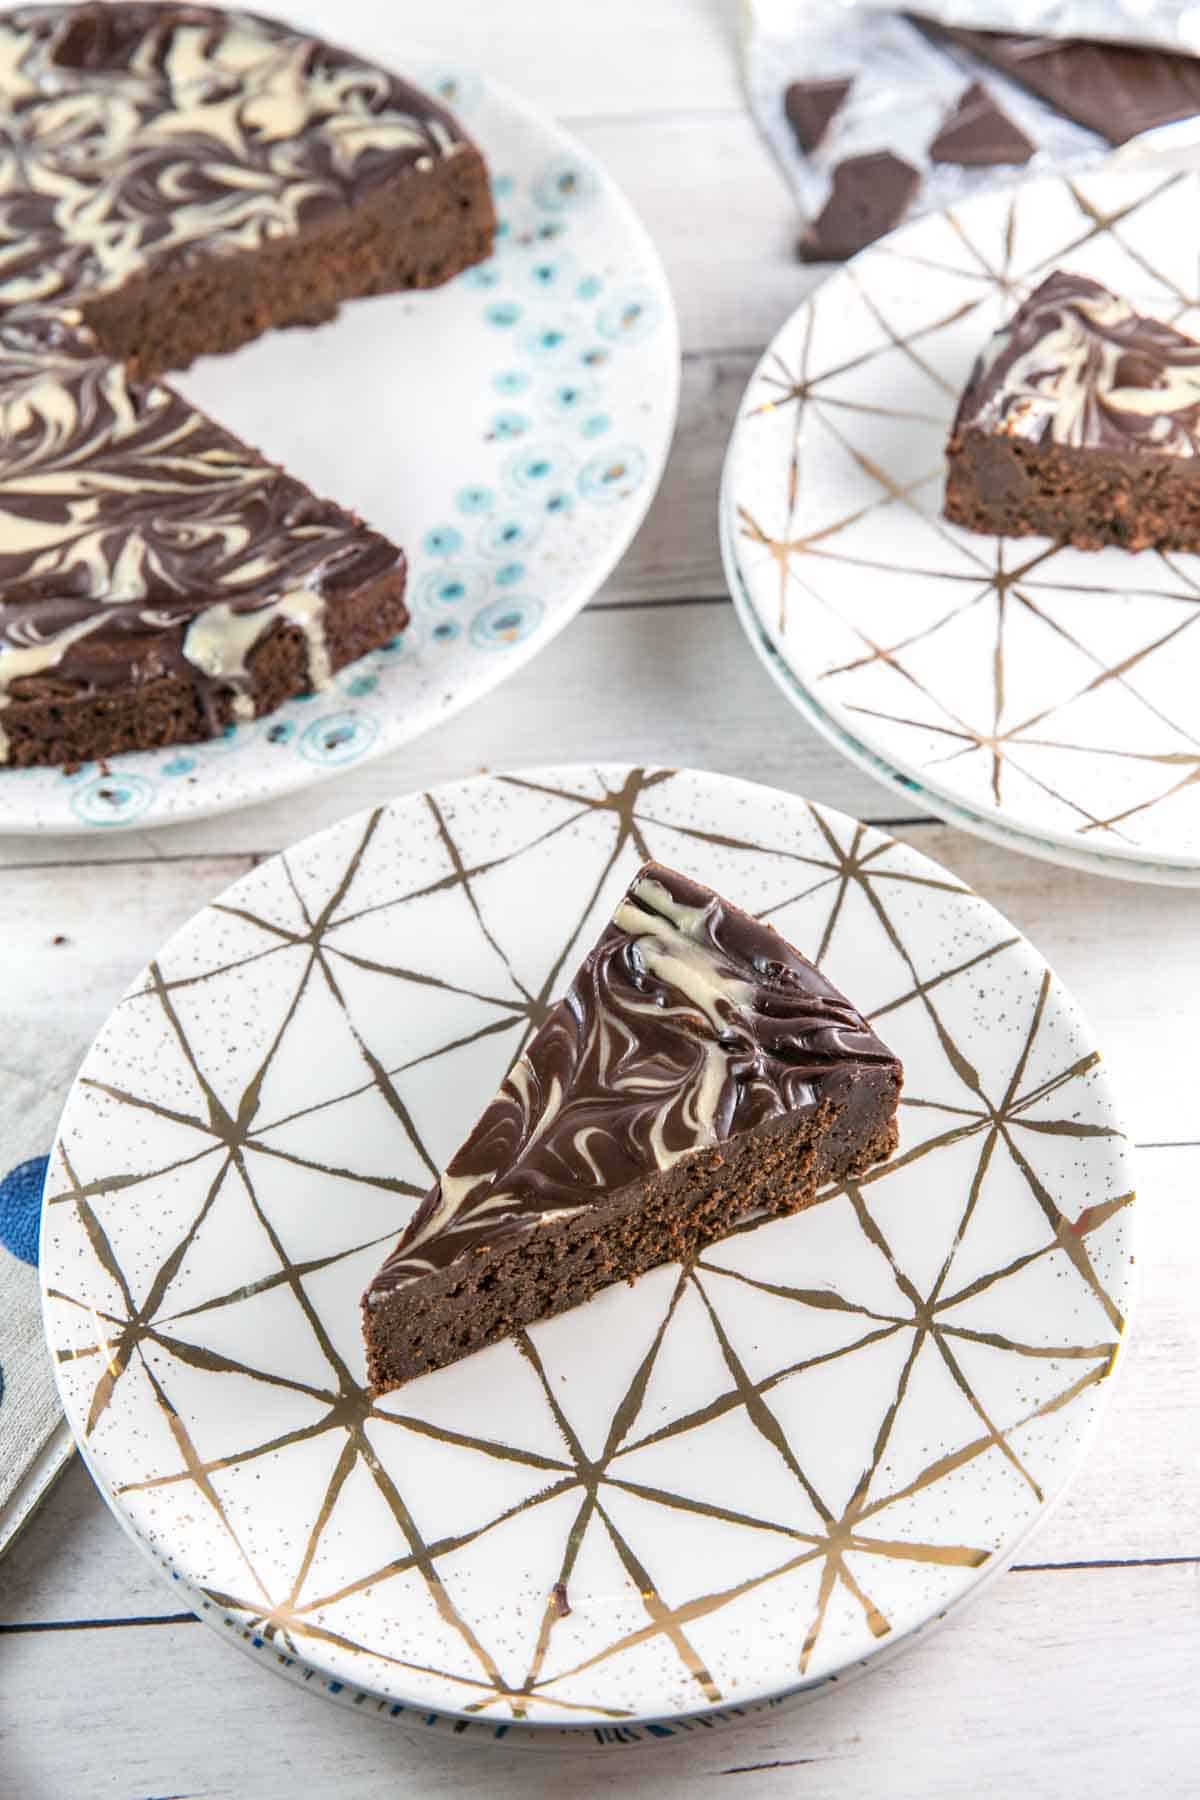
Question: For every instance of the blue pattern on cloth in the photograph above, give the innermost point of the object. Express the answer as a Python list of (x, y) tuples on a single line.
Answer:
[(34, 1440), (21, 1208)]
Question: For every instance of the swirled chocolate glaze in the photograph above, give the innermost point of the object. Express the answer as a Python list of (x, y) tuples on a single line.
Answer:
[(138, 538), (1077, 366), (688, 1024), (133, 133)]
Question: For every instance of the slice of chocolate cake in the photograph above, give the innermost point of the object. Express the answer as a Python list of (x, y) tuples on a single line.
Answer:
[(1081, 421), (174, 180), (190, 177), (158, 579), (697, 1070)]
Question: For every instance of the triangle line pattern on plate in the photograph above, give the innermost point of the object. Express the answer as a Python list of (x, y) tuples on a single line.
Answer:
[(1016, 768), (847, 859)]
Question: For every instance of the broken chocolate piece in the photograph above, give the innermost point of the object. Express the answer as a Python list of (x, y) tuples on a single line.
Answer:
[(870, 195), (811, 105), (977, 134), (1081, 421)]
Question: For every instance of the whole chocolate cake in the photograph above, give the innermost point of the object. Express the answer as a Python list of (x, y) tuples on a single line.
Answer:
[(175, 180), (1081, 421), (697, 1070)]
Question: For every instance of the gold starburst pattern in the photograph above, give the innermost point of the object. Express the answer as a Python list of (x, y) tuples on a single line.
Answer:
[(1046, 686), (804, 1445)]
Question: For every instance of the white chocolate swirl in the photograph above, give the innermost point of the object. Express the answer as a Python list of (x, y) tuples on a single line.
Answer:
[(687, 1025), (138, 539), (1079, 367), (132, 133)]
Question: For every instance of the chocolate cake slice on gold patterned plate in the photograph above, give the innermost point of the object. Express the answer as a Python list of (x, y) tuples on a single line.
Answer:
[(698, 1070), (1081, 421), (174, 180)]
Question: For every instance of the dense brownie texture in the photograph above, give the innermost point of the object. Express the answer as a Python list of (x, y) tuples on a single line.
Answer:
[(175, 180), (159, 579), (697, 1070), (1081, 421), (167, 317)]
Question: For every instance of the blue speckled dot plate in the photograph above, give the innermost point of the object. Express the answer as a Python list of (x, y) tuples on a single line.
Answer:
[(508, 429)]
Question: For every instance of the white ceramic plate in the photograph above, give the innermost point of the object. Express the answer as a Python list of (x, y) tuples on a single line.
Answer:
[(1043, 690), (987, 825), (785, 1461), (508, 429)]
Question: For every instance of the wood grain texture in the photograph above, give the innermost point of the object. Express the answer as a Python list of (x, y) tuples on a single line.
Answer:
[(1061, 1680), (1136, 1497), (620, 60), (1047, 1687), (669, 684)]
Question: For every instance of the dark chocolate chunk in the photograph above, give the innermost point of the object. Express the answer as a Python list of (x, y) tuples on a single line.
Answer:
[(977, 134), (698, 1069), (88, 38), (810, 105), (1117, 90), (870, 195), (1081, 421)]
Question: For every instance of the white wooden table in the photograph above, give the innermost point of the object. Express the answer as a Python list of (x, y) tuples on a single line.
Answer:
[(1079, 1671)]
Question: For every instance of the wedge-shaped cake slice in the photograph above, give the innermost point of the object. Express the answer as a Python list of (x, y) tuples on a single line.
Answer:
[(697, 1070), (1081, 421), (159, 579)]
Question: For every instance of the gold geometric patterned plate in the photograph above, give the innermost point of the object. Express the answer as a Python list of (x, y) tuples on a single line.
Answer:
[(986, 824), (726, 1484), (1019, 682)]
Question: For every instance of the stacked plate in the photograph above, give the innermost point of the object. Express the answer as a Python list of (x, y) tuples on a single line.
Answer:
[(723, 1485), (1038, 695), (544, 384)]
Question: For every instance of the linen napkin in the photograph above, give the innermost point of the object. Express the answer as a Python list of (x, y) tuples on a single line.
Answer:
[(35, 1444)]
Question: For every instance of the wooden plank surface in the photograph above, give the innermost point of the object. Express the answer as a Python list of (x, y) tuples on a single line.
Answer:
[(1049, 1687), (1078, 1671)]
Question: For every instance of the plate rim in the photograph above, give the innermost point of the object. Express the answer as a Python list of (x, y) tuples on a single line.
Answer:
[(304, 774), (908, 787), (649, 1725), (1041, 842), (546, 1735)]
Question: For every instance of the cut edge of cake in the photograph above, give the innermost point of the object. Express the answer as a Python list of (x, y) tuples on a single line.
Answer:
[(182, 645), (407, 217), (754, 1033), (1080, 422)]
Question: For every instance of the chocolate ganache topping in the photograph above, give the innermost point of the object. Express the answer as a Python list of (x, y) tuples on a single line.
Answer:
[(134, 530), (688, 1024), (132, 131), (137, 538), (1077, 366)]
